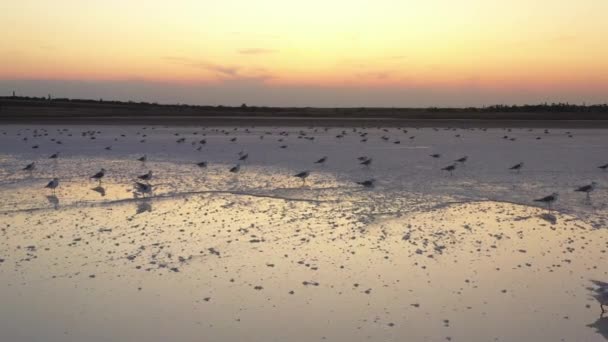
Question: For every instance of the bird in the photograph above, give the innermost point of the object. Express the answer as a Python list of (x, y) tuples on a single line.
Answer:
[(142, 158), (436, 155), (235, 168), (202, 164), (600, 293), (54, 156), (30, 167), (462, 160), (303, 175), (99, 175), (587, 188), (603, 167), (244, 156), (450, 168), (146, 177), (517, 167), (367, 183), (53, 184), (366, 162), (322, 160), (548, 199)]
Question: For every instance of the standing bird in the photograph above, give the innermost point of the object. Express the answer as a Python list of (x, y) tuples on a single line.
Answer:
[(366, 162), (30, 167), (244, 156), (202, 164), (99, 175), (548, 199), (53, 184), (142, 158), (600, 294), (54, 156), (587, 189), (303, 175), (367, 183), (322, 160), (235, 168), (517, 167), (450, 168), (603, 167), (147, 177), (462, 160), (143, 188)]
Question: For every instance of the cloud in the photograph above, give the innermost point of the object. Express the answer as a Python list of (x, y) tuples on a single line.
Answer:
[(225, 70), (256, 51)]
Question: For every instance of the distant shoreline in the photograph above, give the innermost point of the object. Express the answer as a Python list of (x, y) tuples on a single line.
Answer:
[(43, 111)]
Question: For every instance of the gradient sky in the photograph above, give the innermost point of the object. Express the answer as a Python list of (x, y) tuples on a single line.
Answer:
[(308, 53)]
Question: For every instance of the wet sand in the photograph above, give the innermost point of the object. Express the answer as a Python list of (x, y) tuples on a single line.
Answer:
[(257, 256)]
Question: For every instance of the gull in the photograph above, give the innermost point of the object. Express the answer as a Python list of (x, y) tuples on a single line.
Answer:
[(322, 160), (53, 184), (146, 177), (99, 175), (303, 175), (30, 167), (517, 167), (366, 162), (235, 168), (54, 156), (462, 160), (603, 167), (548, 199), (450, 168), (202, 164), (587, 188), (600, 293), (142, 158), (367, 183)]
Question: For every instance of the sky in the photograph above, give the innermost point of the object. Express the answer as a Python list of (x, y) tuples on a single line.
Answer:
[(351, 53)]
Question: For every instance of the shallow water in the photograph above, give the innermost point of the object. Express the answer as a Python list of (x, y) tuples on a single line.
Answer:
[(258, 256)]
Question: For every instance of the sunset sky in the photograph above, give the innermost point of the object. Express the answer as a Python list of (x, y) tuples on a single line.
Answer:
[(308, 53)]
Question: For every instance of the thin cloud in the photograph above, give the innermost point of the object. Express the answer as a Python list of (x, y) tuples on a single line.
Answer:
[(256, 51), (226, 70)]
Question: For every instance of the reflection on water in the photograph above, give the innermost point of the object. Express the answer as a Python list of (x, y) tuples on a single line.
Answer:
[(100, 190), (53, 200), (143, 206), (601, 326)]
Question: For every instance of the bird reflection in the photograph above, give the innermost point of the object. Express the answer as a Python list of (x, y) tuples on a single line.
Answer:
[(100, 189), (601, 326), (143, 206), (53, 200)]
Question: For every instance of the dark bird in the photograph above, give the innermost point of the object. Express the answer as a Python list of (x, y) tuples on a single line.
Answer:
[(436, 155), (54, 156), (587, 188), (146, 177), (548, 199), (600, 293), (462, 160), (235, 168), (30, 167), (108, 148), (450, 168), (202, 164), (53, 184), (99, 175), (303, 175), (244, 156), (603, 167), (366, 162), (517, 167), (322, 160), (367, 183), (142, 158)]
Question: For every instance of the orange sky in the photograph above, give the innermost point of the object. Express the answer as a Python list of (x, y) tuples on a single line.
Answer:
[(548, 47)]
